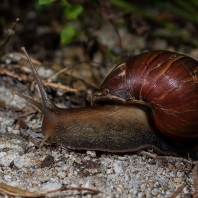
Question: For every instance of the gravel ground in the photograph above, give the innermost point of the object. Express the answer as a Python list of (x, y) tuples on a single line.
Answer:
[(130, 175), (24, 165)]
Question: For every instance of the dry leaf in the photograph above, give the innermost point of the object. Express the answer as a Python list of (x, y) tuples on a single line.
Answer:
[(10, 190)]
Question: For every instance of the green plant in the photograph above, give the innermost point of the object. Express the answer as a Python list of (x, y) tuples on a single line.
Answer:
[(71, 12), (42, 2)]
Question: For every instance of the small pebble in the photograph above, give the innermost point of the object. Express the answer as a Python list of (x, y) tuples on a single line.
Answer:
[(155, 192), (127, 177), (179, 174), (51, 186), (13, 141), (91, 153), (8, 177), (45, 73), (6, 158), (177, 180), (62, 174), (109, 171), (118, 167), (157, 185), (151, 184), (141, 195), (27, 160)]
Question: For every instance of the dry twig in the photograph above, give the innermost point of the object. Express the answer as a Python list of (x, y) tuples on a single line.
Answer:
[(179, 190), (50, 84), (10, 190)]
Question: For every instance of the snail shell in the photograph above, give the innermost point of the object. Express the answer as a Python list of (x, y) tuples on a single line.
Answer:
[(166, 82)]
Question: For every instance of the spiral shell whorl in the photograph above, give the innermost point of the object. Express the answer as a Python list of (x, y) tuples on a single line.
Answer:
[(167, 82)]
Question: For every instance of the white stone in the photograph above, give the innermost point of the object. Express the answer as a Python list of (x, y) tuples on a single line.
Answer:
[(118, 168), (6, 158)]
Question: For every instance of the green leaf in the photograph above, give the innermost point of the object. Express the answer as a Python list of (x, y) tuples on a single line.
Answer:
[(67, 34), (181, 12), (110, 53), (73, 11), (42, 2)]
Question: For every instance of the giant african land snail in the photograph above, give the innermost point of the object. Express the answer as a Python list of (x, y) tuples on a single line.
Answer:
[(149, 101)]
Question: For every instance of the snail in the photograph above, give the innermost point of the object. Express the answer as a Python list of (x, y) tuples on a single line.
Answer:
[(147, 102)]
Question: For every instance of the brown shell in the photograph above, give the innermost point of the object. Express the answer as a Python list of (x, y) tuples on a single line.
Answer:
[(167, 82)]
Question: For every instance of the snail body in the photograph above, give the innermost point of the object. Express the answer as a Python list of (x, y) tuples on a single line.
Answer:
[(149, 101)]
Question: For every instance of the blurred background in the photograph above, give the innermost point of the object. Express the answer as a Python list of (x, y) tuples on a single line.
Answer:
[(78, 42)]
